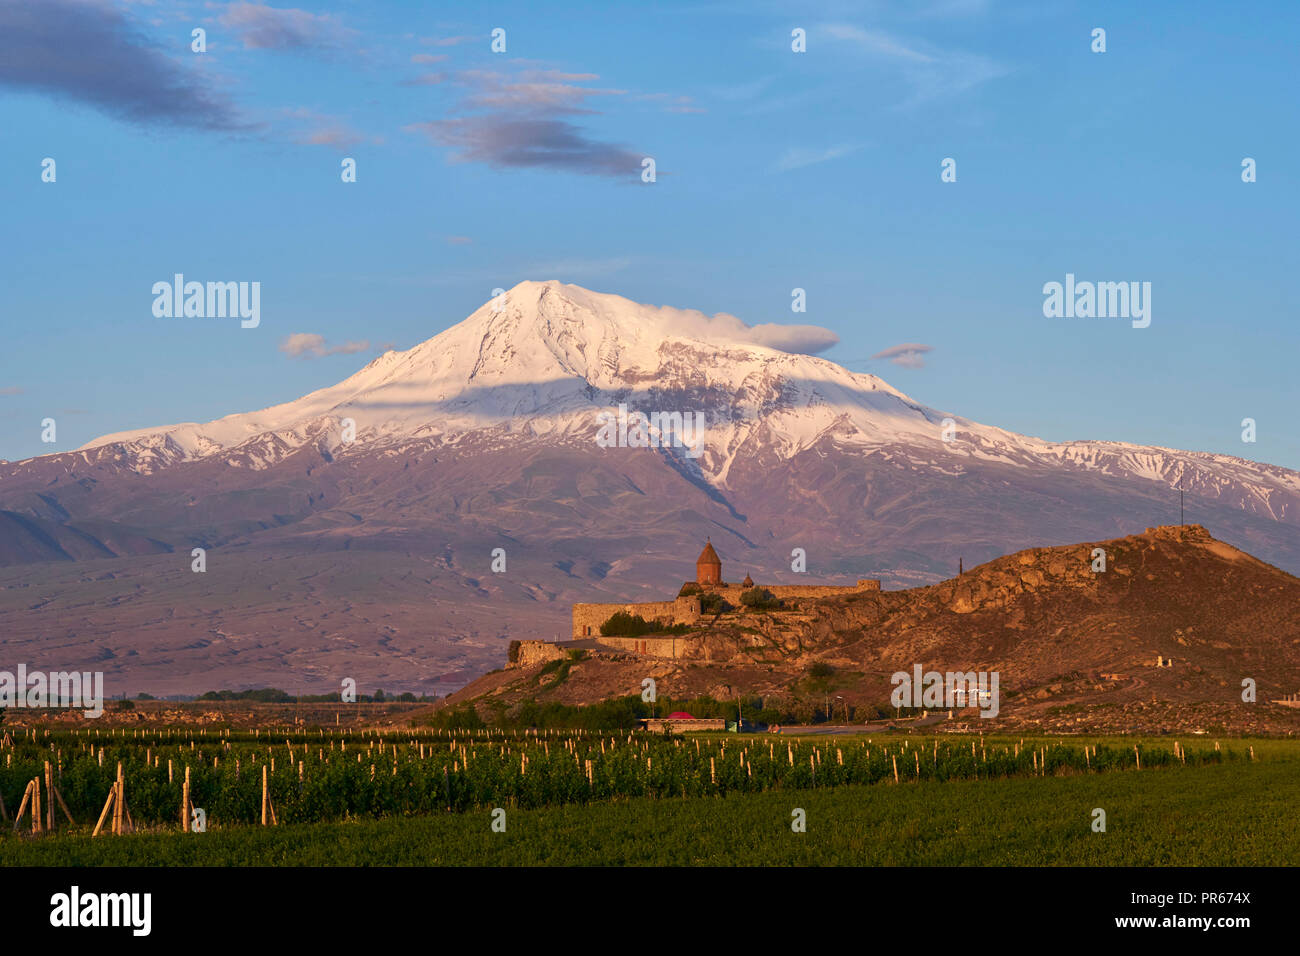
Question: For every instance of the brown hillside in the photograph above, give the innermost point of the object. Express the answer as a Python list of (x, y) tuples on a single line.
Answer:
[(1074, 649)]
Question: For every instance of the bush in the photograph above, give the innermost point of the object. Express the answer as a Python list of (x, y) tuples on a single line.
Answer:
[(622, 624), (713, 604), (821, 669), (759, 598)]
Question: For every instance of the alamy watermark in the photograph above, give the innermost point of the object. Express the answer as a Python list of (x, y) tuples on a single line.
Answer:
[(38, 689), (934, 690), (635, 429), (213, 300), (1100, 300)]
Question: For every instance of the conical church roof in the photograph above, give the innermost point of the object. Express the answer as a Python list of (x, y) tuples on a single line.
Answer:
[(709, 556)]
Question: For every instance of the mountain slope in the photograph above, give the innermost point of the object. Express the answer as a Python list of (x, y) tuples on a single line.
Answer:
[(544, 359), (484, 437)]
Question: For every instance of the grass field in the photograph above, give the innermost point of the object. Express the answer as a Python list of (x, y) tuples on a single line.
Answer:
[(1231, 813)]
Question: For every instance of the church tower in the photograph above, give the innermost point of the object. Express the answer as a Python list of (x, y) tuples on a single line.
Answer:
[(708, 568)]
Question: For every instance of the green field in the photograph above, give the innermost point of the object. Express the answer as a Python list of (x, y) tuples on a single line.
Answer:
[(1205, 816), (424, 798)]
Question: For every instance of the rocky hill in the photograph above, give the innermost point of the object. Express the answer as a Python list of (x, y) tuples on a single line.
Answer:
[(1075, 648)]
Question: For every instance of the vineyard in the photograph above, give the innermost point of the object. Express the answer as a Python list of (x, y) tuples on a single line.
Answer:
[(323, 776)]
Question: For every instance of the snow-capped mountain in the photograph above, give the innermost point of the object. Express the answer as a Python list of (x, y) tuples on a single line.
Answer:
[(543, 360), (354, 531)]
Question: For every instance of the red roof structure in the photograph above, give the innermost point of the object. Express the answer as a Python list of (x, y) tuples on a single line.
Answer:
[(708, 568), (680, 715)]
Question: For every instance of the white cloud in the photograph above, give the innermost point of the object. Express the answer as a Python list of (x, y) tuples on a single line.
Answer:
[(907, 355), (798, 158), (726, 328), (306, 345)]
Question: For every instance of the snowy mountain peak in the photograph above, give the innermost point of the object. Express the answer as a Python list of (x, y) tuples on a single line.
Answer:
[(540, 361)]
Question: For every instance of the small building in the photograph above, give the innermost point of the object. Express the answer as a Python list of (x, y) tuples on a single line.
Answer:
[(680, 723)]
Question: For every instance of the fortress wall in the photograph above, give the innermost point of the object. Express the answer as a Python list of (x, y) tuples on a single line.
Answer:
[(653, 646), (732, 592), (821, 590), (587, 618), (537, 652), (681, 611)]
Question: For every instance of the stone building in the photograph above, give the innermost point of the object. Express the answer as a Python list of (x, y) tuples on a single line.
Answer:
[(685, 609), (708, 566)]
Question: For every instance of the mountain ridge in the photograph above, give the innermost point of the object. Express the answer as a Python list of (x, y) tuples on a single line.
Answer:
[(387, 541), (438, 374)]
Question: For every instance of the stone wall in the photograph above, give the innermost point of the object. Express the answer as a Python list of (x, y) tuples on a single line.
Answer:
[(587, 618), (731, 592), (537, 652), (650, 645)]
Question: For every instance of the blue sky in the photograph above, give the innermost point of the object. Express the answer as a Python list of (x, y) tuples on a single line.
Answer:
[(818, 170)]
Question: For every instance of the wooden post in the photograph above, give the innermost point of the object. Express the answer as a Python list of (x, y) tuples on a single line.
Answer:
[(1137, 756), (22, 806), (185, 802), (112, 795), (265, 796), (37, 825), (118, 806), (895, 759), (49, 796)]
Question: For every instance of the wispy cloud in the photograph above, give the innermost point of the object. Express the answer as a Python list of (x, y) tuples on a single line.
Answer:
[(725, 328), (260, 27), (908, 355), (309, 128), (797, 158), (307, 345), (931, 72), (89, 52), (531, 90), (522, 143), (672, 103), (521, 120), (11, 390)]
